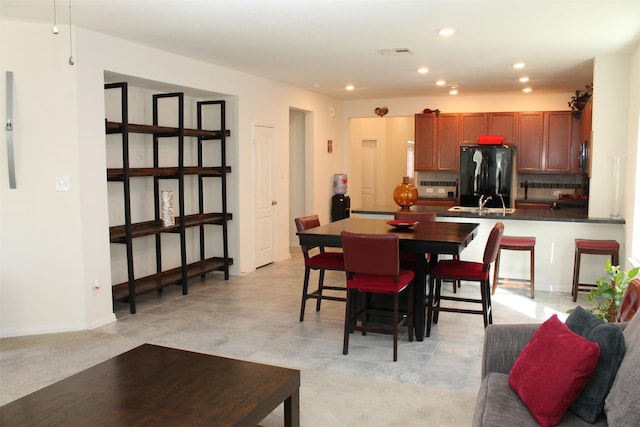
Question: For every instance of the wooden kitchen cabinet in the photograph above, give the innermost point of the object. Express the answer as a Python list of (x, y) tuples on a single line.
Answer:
[(436, 140), (530, 142), (557, 141), (545, 142), (448, 149), (505, 124), (425, 142), (472, 125)]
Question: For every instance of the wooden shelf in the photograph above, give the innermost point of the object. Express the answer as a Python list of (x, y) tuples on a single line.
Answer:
[(117, 233), (117, 127), (117, 174), (125, 234), (168, 278)]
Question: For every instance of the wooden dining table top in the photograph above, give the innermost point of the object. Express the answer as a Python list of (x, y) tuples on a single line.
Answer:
[(433, 237)]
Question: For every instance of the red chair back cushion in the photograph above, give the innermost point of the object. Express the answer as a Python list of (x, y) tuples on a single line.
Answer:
[(415, 216), (630, 302), (371, 253), (493, 244)]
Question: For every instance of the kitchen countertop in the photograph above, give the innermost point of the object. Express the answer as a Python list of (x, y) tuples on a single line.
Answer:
[(565, 214)]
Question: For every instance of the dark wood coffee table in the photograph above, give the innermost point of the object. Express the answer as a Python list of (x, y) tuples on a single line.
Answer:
[(159, 386)]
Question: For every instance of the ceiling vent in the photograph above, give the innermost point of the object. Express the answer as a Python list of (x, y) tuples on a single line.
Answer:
[(395, 51)]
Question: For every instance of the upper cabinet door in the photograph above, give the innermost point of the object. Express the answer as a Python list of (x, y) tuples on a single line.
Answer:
[(504, 124), (558, 141), (530, 142), (448, 153), (472, 125), (425, 140)]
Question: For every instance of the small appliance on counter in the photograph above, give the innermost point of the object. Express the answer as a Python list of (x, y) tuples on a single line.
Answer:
[(486, 171), (340, 202)]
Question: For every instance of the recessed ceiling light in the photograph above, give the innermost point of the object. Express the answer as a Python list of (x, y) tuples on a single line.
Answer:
[(523, 79), (519, 65), (349, 87), (453, 92), (446, 32), (423, 70), (527, 90), (441, 82)]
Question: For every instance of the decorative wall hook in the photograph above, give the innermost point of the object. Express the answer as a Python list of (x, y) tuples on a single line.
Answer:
[(381, 111)]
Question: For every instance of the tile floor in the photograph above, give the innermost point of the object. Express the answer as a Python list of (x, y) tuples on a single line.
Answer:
[(255, 317)]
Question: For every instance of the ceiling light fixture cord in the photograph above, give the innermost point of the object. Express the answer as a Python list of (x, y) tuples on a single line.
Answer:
[(55, 29), (71, 60)]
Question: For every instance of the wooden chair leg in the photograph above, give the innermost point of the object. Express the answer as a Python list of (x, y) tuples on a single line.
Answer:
[(495, 273), (576, 275), (410, 312), (436, 301), (533, 271), (430, 300), (305, 289), (395, 326), (347, 324), (320, 285)]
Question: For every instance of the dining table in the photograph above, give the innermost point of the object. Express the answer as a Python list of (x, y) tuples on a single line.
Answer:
[(434, 238)]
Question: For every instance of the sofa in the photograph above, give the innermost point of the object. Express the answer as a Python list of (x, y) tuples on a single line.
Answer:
[(504, 347)]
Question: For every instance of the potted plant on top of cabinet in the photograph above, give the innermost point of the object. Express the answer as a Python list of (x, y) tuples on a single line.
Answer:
[(579, 100)]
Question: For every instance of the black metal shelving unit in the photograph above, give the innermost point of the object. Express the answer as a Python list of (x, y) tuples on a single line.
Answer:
[(127, 232)]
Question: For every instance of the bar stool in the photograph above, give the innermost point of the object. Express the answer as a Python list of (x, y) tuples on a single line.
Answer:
[(593, 247), (516, 243)]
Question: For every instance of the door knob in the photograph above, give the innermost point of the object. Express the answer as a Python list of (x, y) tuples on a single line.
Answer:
[(274, 202)]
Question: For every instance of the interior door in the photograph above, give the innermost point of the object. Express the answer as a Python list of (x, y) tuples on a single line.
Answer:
[(264, 197), (369, 154)]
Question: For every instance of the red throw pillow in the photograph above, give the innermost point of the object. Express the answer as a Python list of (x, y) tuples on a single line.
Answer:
[(552, 370)]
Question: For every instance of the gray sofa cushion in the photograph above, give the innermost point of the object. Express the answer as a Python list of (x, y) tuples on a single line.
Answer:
[(622, 404), (590, 402), (498, 405)]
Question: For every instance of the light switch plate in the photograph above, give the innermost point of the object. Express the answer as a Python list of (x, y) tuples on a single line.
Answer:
[(62, 183)]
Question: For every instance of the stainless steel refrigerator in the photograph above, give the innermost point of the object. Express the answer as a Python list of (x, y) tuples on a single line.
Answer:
[(486, 171)]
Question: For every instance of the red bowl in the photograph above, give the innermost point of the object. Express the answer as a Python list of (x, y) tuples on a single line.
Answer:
[(398, 223)]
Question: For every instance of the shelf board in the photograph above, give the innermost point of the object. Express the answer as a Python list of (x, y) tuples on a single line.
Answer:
[(117, 233), (170, 277), (116, 127), (117, 174)]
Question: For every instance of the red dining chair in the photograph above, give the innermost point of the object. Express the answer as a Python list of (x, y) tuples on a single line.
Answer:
[(321, 261), (408, 259), (372, 264), (464, 270)]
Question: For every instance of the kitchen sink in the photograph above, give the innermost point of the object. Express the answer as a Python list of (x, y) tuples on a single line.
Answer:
[(483, 211)]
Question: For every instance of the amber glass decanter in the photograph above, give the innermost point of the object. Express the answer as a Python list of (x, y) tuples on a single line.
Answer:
[(405, 194)]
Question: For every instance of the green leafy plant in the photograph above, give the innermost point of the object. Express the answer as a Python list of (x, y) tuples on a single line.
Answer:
[(609, 292), (579, 100)]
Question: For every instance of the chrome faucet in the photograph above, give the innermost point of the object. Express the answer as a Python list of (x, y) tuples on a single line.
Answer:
[(504, 208), (483, 201)]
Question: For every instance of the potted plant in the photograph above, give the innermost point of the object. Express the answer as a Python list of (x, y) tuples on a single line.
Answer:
[(609, 292), (579, 100)]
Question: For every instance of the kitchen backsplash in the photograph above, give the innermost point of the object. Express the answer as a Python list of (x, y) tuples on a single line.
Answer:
[(437, 184), (539, 186), (549, 186)]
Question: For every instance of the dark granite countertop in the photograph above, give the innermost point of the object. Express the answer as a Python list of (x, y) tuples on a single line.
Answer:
[(557, 215)]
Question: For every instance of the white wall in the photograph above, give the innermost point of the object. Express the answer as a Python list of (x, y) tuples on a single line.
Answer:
[(391, 135), (611, 80), (54, 244)]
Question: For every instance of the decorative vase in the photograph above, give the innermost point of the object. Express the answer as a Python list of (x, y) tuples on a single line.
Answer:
[(167, 214), (405, 194)]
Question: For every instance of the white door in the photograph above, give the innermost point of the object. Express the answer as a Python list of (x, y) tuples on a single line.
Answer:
[(264, 197), (368, 192)]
